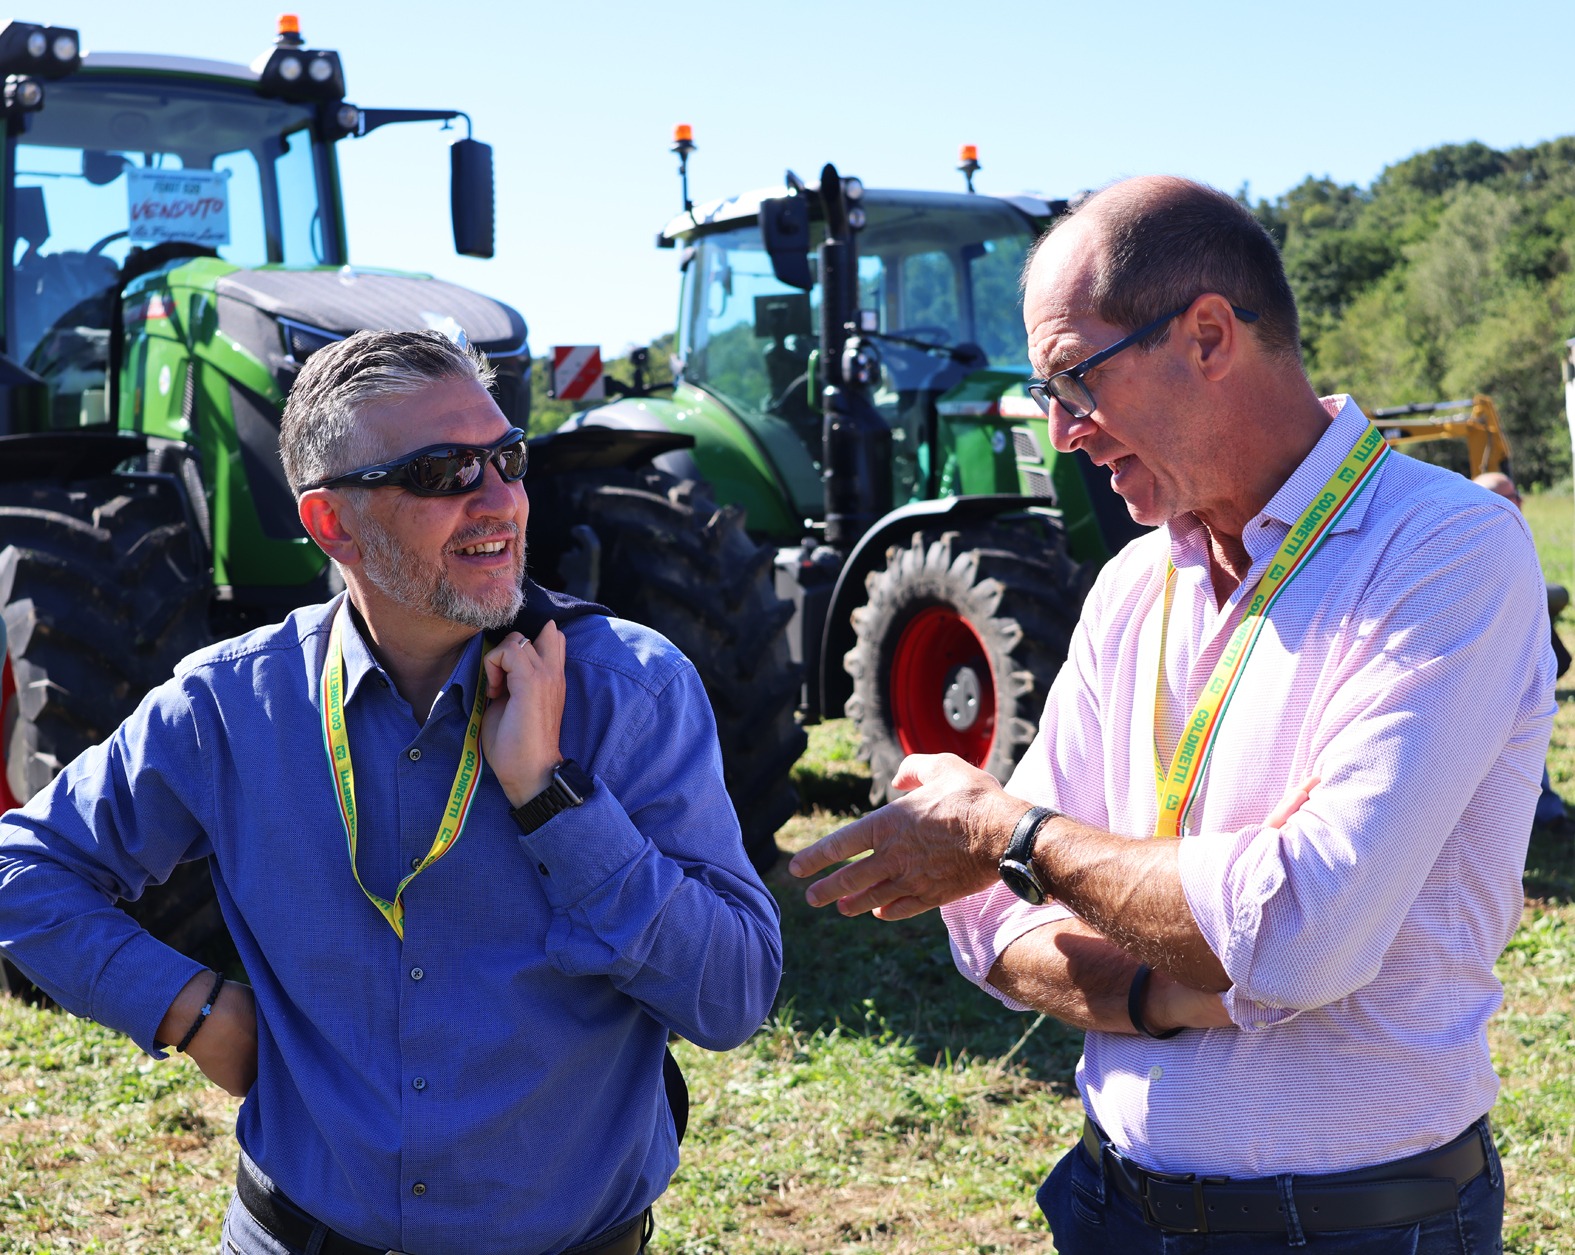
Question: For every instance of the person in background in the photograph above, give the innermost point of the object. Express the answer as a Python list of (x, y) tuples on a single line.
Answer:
[(1550, 811)]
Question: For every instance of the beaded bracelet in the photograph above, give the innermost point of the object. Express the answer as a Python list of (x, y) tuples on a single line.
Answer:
[(1135, 1004), (202, 1016)]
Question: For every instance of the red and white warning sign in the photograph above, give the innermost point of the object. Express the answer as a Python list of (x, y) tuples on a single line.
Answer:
[(577, 372)]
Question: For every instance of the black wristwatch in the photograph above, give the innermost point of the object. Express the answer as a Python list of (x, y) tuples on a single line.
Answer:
[(1017, 864), (569, 788)]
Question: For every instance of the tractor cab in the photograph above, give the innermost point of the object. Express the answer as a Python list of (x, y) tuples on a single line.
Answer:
[(129, 167), (938, 290)]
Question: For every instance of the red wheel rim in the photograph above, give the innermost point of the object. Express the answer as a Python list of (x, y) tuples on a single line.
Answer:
[(7, 698), (942, 690)]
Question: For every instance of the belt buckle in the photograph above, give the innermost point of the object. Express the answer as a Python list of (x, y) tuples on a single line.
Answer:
[(1199, 1223)]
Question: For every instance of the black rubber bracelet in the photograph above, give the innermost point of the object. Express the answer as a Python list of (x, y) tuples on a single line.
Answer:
[(202, 1016), (1135, 1004)]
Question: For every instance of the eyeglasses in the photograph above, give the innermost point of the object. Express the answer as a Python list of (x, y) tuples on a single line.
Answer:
[(1067, 386), (440, 470)]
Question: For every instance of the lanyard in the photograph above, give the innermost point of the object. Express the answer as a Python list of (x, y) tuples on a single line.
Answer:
[(337, 745), (1176, 789)]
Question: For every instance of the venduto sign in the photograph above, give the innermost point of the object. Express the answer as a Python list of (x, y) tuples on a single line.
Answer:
[(192, 206)]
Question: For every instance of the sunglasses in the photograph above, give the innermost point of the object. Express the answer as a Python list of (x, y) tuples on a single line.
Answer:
[(1067, 387), (440, 470)]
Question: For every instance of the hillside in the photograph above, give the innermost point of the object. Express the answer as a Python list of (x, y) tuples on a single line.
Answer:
[(1450, 275)]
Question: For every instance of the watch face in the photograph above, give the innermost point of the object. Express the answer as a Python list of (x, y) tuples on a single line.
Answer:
[(1020, 879)]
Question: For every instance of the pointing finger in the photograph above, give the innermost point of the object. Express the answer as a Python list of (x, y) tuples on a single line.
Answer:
[(833, 848)]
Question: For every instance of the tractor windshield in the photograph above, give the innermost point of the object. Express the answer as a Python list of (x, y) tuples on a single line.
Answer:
[(941, 272), (111, 167)]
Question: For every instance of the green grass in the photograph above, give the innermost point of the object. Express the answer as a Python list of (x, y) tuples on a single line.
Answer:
[(872, 1114)]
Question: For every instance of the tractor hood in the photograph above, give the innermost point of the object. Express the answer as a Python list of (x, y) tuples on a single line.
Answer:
[(341, 301)]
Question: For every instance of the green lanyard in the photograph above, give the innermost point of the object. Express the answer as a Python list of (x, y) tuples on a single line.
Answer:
[(337, 745), (1176, 789)]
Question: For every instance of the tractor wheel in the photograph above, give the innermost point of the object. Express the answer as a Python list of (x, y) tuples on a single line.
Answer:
[(103, 589), (957, 645), (668, 557)]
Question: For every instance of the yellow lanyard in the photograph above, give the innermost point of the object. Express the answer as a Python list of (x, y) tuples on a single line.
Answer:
[(1176, 789), (337, 744)]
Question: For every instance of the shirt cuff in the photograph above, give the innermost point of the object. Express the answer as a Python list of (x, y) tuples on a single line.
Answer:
[(134, 991), (981, 927), (578, 850)]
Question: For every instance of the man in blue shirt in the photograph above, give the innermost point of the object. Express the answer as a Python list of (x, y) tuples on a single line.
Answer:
[(463, 972)]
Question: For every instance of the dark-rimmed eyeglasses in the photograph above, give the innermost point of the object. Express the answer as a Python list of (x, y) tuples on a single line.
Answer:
[(440, 470), (1067, 388)]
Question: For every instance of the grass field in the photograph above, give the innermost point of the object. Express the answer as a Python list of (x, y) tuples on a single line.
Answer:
[(887, 1107)]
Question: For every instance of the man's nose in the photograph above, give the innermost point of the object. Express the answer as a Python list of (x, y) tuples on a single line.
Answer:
[(1066, 431), (496, 494)]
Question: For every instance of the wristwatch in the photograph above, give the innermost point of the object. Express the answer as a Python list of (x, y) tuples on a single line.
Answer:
[(569, 788), (1016, 867)]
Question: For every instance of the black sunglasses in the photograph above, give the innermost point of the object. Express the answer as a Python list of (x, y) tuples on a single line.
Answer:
[(440, 470), (1067, 386)]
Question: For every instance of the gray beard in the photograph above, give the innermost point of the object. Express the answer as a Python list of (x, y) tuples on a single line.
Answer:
[(425, 587)]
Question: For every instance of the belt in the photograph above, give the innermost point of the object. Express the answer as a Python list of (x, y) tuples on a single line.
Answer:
[(274, 1211), (1401, 1192)]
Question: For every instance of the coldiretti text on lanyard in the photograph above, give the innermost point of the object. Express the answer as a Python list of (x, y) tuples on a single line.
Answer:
[(336, 742), (1177, 788)]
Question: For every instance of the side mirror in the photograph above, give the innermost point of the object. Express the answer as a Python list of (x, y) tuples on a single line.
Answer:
[(784, 226), (471, 197)]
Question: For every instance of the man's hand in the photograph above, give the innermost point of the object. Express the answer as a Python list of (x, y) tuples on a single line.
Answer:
[(939, 843), (225, 1047), (1294, 799), (519, 732)]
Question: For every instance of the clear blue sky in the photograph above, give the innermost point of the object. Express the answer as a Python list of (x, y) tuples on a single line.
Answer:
[(578, 100)]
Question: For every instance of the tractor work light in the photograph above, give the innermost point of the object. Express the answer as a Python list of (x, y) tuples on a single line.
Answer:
[(292, 71), (39, 51)]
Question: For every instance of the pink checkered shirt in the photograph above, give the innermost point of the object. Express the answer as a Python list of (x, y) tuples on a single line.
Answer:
[(1408, 666)]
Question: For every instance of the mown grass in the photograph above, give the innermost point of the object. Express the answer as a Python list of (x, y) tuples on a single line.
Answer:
[(887, 1107)]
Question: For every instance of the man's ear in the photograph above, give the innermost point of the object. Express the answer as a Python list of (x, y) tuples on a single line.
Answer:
[(1216, 335), (329, 522)]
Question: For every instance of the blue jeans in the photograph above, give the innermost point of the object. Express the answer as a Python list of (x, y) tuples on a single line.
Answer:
[(1088, 1215)]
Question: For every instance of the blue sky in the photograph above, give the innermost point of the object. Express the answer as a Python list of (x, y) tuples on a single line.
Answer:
[(578, 101)]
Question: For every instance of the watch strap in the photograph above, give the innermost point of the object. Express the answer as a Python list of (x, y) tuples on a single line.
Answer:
[(569, 787), (1016, 866)]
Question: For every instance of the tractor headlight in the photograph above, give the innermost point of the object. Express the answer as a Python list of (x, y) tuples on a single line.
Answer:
[(40, 51)]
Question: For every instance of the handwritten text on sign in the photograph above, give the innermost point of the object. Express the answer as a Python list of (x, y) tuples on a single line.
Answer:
[(188, 205)]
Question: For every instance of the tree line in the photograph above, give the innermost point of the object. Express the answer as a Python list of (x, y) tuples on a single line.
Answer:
[(1450, 275)]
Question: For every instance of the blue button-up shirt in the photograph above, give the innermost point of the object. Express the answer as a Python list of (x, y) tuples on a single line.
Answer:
[(492, 1083)]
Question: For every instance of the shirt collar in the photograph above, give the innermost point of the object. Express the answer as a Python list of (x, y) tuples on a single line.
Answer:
[(1296, 494), (360, 664)]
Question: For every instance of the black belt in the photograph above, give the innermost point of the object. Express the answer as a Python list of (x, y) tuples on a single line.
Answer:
[(271, 1209), (1401, 1192)]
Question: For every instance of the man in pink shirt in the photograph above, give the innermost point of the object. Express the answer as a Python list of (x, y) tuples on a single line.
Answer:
[(1268, 843)]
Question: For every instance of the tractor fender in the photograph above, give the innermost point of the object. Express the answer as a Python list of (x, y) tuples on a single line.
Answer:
[(895, 528)]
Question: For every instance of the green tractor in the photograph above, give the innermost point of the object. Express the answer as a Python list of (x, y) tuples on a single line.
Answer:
[(852, 368), (175, 250)]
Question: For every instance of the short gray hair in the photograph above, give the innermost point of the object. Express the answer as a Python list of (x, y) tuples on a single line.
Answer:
[(318, 434)]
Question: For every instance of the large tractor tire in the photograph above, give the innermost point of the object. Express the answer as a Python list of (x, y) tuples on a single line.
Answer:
[(104, 589), (669, 557), (957, 644)]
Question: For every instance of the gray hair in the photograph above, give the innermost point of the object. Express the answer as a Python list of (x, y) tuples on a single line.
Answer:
[(319, 436)]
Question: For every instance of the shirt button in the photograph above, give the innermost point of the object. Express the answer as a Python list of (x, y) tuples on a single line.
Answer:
[(420, 1082), (419, 1188), (1155, 1072), (415, 863), (416, 973), (415, 755)]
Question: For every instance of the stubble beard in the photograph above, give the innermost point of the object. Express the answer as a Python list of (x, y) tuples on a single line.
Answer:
[(410, 581)]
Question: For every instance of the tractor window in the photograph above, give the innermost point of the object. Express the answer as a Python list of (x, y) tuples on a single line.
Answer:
[(744, 336), (111, 168)]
